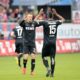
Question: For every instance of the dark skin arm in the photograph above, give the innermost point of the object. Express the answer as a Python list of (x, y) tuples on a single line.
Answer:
[(58, 15)]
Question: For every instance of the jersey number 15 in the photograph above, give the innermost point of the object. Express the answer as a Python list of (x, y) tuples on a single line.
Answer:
[(52, 29)]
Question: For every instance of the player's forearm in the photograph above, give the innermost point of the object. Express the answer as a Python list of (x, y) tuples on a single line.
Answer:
[(37, 17), (60, 17), (39, 14)]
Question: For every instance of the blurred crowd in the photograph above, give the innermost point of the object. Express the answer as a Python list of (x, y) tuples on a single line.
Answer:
[(10, 15), (14, 14)]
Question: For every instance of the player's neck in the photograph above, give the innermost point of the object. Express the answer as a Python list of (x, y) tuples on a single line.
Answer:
[(28, 21)]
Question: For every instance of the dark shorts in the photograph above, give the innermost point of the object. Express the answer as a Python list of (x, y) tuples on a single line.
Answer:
[(49, 50), (29, 48), (18, 48)]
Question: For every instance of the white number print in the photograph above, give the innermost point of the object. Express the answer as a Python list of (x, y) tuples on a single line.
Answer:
[(52, 29), (19, 31)]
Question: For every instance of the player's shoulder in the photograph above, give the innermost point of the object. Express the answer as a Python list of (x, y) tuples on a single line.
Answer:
[(54, 22), (59, 22), (22, 23), (44, 22), (51, 22), (34, 22), (17, 27)]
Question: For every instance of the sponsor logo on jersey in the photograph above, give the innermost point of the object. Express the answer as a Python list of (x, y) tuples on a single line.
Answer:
[(29, 28)]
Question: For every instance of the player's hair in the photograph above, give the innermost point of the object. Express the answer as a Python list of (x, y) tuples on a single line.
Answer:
[(27, 12)]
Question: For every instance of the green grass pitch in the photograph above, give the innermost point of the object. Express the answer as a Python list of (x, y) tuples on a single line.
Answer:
[(67, 68)]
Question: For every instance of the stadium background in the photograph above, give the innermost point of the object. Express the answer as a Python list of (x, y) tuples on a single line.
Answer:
[(68, 38)]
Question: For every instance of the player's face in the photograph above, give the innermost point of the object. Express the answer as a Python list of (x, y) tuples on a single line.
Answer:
[(29, 17), (49, 9)]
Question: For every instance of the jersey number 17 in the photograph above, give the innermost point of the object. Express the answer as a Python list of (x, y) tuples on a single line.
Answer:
[(19, 32)]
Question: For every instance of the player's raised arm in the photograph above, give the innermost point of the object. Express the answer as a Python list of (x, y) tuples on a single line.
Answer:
[(39, 14), (58, 15), (22, 21)]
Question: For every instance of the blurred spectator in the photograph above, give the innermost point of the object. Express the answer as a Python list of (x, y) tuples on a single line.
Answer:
[(3, 14), (1, 35), (12, 18), (17, 13), (10, 3), (77, 16), (9, 12)]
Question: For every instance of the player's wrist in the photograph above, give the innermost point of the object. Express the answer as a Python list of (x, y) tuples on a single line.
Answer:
[(56, 14)]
